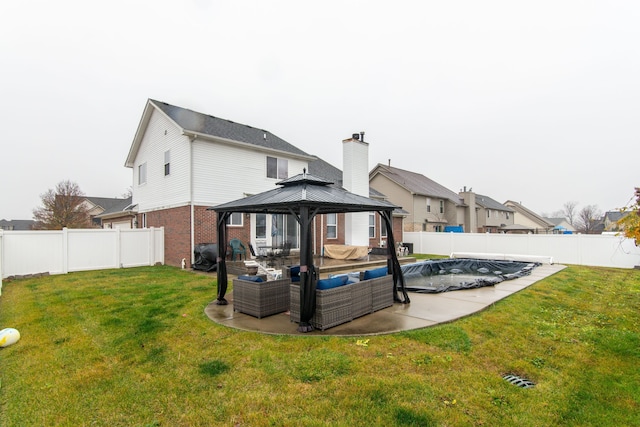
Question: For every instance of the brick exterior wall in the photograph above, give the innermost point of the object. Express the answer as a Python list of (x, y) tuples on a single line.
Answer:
[(206, 230), (177, 235), (397, 232), (177, 231)]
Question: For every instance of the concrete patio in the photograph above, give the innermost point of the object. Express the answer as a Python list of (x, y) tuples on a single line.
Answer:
[(424, 310)]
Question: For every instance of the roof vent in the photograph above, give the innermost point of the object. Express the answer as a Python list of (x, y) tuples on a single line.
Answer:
[(355, 136)]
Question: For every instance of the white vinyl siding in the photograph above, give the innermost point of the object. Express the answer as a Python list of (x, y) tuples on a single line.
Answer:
[(221, 172), (238, 172), (163, 191)]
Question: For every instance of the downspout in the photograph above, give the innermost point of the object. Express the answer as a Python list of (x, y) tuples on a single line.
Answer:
[(192, 138)]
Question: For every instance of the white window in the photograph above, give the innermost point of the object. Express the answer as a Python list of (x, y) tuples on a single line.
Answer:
[(441, 206), (488, 213), (332, 226), (383, 228), (167, 162), (277, 168), (428, 204), (507, 215), (142, 173), (372, 225), (235, 219), (261, 226)]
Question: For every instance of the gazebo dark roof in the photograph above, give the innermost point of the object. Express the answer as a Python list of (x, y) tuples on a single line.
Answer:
[(305, 190), (305, 196)]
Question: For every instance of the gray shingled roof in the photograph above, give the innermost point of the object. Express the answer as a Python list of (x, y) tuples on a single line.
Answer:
[(615, 216), (322, 169), (528, 212), (216, 127), (419, 184), (305, 190), (110, 204), (17, 224), (488, 203), (114, 205)]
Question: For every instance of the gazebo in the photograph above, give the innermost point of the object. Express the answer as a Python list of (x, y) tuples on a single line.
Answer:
[(305, 196)]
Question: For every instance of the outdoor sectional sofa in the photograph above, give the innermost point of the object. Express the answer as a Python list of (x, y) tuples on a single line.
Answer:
[(255, 297), (340, 300)]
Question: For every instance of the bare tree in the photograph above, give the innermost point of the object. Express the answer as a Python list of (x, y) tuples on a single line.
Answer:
[(570, 212), (588, 219), (128, 193), (62, 207)]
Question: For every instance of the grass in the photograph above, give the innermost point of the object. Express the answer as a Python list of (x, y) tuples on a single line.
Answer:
[(132, 347)]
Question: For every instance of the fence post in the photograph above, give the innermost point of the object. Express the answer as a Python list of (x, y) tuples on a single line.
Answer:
[(152, 246), (65, 250), (118, 249)]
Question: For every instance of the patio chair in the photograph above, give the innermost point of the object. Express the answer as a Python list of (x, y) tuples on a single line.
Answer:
[(237, 248), (285, 252), (255, 255)]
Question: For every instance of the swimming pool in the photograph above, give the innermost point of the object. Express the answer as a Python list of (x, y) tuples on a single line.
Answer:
[(444, 275)]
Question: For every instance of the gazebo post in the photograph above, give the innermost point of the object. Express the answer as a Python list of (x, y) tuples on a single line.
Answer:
[(393, 265), (222, 257), (307, 272)]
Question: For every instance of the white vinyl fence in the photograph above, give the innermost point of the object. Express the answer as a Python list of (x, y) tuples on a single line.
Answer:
[(62, 251), (579, 249)]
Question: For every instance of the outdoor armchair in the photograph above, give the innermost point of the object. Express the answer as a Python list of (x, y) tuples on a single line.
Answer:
[(237, 248)]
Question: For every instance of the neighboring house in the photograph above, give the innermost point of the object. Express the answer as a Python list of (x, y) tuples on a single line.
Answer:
[(16, 224), (119, 214), (185, 162), (610, 220), (529, 221), (492, 216), (433, 207), (99, 209), (429, 205), (561, 226)]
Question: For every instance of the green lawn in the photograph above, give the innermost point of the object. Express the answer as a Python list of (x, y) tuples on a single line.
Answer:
[(132, 347)]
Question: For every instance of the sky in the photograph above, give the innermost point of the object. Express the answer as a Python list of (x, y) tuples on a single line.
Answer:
[(532, 101)]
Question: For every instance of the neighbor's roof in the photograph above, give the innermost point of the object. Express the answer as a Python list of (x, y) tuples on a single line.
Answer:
[(118, 206), (615, 216), (109, 203), (529, 213), (17, 224), (488, 203), (211, 127), (327, 171), (416, 183), (308, 191)]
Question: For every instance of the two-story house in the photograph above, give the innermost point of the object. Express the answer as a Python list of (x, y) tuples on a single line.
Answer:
[(429, 205), (491, 216), (434, 208), (185, 162)]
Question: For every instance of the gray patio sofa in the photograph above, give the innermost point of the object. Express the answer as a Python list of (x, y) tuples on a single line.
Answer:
[(260, 299), (343, 303)]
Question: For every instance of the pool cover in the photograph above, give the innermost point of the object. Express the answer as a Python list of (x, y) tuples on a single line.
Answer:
[(444, 275)]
